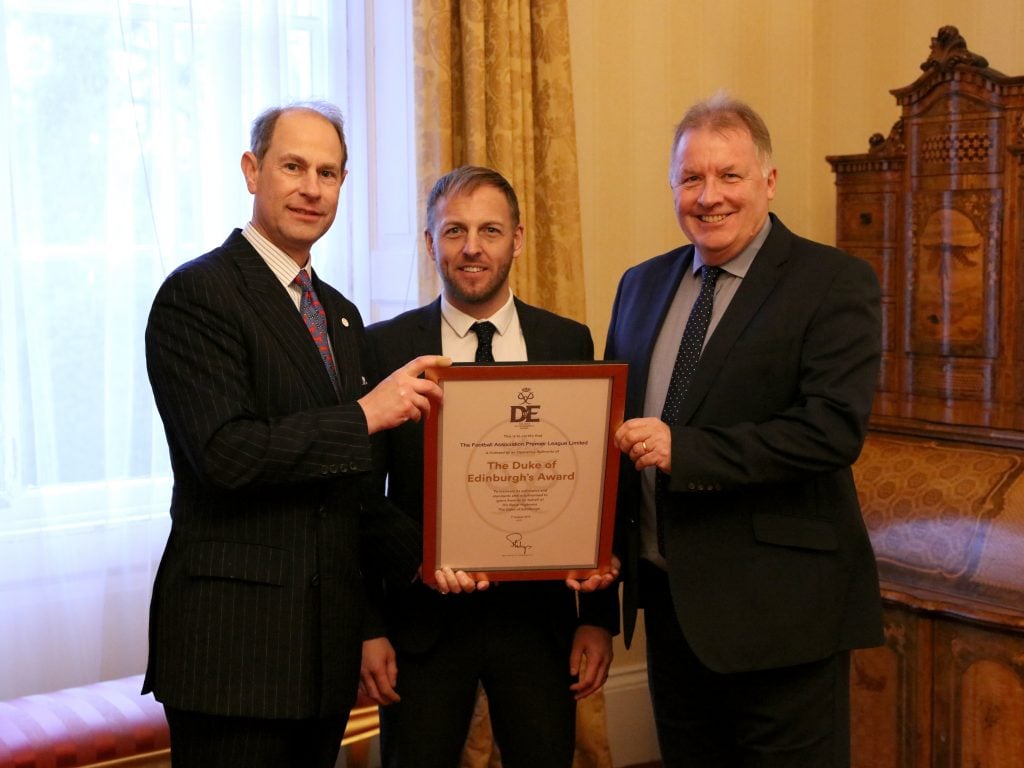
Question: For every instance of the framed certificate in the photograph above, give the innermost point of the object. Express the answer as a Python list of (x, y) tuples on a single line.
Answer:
[(520, 471)]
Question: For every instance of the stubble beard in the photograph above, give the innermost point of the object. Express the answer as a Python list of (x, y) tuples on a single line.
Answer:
[(483, 296)]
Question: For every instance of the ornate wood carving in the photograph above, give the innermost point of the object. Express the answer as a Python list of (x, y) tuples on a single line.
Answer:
[(949, 49), (936, 207)]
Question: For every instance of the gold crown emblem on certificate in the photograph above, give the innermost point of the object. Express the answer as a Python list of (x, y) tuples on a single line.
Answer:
[(526, 395)]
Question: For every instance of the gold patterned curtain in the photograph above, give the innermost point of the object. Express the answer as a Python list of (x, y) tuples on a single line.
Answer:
[(494, 88)]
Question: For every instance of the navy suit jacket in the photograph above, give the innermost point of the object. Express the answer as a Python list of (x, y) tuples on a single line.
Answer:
[(416, 615), (768, 558), (259, 598)]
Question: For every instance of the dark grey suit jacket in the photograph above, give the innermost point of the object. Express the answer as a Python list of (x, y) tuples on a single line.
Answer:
[(259, 598), (416, 615), (769, 560)]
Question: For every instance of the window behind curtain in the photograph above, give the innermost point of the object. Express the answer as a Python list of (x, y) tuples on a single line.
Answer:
[(121, 127)]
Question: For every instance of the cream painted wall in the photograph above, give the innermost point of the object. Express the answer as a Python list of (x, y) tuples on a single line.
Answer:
[(819, 72)]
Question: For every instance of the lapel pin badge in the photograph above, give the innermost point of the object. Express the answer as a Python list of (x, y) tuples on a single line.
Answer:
[(344, 321)]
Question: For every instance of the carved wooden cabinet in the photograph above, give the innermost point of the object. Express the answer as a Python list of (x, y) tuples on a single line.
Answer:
[(936, 207)]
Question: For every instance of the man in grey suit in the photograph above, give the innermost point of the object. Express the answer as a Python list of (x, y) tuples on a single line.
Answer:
[(258, 374), (525, 642), (740, 529)]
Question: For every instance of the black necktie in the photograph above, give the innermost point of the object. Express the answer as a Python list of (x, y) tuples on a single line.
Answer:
[(484, 333), (690, 347)]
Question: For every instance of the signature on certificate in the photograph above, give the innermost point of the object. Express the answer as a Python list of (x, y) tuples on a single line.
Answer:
[(516, 540)]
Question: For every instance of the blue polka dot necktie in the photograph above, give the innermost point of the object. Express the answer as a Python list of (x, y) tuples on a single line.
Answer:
[(315, 318), (690, 347), (484, 333)]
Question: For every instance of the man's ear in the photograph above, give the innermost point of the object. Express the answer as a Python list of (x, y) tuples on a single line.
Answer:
[(517, 240), (250, 168), (428, 239), (770, 182)]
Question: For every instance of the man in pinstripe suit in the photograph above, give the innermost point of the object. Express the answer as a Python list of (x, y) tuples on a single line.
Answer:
[(255, 623)]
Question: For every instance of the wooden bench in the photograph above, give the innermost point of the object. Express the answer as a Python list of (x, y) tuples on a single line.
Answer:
[(111, 724)]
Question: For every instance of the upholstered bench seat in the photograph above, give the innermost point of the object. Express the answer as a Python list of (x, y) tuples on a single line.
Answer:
[(93, 725), (111, 724)]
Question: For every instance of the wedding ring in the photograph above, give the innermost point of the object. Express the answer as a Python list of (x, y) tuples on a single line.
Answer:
[(644, 444)]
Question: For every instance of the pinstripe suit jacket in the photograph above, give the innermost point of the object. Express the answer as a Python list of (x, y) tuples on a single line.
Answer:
[(416, 615), (259, 596)]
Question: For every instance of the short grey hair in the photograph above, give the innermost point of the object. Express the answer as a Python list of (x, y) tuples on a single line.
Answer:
[(263, 126), (723, 112)]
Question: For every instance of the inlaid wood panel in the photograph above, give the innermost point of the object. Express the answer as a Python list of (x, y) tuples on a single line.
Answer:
[(979, 697), (890, 692), (932, 207)]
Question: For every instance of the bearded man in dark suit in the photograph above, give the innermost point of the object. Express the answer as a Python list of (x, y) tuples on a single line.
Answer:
[(524, 642), (740, 526), (257, 370)]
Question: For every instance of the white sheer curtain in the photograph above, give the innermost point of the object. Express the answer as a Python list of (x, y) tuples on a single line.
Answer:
[(121, 126)]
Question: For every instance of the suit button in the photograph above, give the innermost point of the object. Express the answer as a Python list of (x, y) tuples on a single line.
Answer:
[(321, 511), (353, 466), (692, 486), (334, 469), (315, 581)]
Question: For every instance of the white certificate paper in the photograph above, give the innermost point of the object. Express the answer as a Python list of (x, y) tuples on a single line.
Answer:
[(520, 470)]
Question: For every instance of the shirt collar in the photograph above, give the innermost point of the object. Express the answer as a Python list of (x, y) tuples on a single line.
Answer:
[(460, 322), (280, 263), (739, 264)]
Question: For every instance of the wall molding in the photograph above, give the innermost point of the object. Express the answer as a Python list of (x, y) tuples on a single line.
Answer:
[(631, 734)]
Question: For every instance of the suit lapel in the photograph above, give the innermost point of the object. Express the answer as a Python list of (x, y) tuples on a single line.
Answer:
[(274, 308), (648, 323), (756, 287), (428, 329), (540, 346), (343, 330)]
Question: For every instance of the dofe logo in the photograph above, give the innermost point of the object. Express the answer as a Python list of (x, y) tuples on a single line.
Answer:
[(524, 412)]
